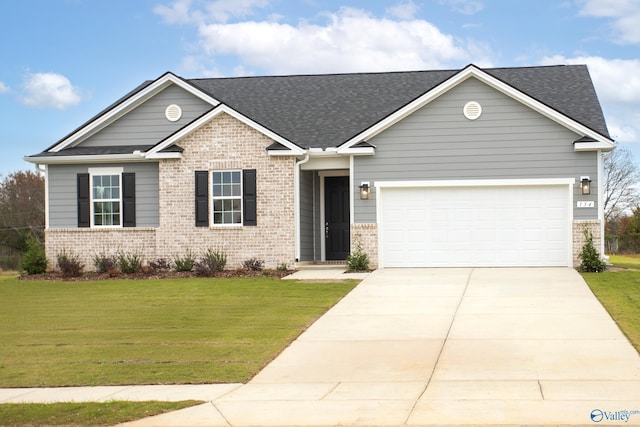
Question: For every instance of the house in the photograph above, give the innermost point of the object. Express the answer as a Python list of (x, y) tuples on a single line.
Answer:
[(470, 167)]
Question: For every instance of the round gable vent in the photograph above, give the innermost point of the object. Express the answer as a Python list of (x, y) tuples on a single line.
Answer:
[(472, 110), (173, 113)]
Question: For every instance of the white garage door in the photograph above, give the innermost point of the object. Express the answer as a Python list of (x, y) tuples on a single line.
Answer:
[(475, 226)]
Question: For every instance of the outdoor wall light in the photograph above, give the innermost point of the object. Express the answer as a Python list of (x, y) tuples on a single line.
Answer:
[(364, 191), (585, 185)]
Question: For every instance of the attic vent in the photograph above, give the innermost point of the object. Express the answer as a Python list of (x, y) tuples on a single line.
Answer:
[(173, 113), (472, 110)]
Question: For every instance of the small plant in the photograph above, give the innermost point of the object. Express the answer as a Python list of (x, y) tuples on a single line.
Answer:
[(104, 263), (253, 264), (358, 260), (34, 260), (185, 263), (129, 263), (210, 263), (590, 261), (282, 267), (69, 264), (160, 264)]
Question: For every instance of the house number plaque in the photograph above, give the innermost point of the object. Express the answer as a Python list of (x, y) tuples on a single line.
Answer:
[(586, 204)]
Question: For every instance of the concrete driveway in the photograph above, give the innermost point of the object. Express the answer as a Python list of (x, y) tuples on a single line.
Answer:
[(446, 346)]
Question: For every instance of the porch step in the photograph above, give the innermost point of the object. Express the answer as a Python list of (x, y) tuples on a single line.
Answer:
[(321, 265)]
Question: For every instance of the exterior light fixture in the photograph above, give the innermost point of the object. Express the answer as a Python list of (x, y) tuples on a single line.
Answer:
[(585, 185), (364, 191)]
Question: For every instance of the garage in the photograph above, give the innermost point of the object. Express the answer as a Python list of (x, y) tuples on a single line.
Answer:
[(461, 225)]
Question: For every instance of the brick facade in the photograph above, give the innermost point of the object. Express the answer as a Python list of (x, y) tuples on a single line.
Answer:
[(367, 235), (89, 242), (227, 144), (578, 237), (222, 144)]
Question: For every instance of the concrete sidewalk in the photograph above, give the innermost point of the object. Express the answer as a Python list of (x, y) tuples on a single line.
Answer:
[(440, 346)]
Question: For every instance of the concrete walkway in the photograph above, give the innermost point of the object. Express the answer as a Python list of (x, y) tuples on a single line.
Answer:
[(430, 347)]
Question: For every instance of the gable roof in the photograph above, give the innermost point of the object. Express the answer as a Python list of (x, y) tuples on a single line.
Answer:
[(328, 110), (339, 110)]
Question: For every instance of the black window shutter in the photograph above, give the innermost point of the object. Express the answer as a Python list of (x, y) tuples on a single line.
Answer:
[(84, 219), (202, 199), (249, 197), (128, 199)]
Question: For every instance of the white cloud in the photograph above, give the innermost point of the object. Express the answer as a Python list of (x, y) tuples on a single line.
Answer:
[(50, 90), (351, 40), (465, 7), (4, 88), (403, 11), (625, 16), (178, 13), (617, 83), (181, 11)]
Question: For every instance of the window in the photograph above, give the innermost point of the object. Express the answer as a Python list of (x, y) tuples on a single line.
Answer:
[(106, 198), (232, 193), (227, 197), (105, 192)]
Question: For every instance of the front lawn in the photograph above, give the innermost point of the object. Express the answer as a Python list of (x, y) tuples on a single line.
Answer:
[(166, 331), (84, 413), (619, 293)]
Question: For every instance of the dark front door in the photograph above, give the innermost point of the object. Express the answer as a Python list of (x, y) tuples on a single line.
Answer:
[(336, 216)]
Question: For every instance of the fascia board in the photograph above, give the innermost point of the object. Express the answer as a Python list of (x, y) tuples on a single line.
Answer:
[(222, 108), (102, 158), (593, 146), (129, 104), (473, 71), (359, 151)]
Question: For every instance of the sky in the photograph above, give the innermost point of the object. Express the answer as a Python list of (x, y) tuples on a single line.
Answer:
[(63, 61)]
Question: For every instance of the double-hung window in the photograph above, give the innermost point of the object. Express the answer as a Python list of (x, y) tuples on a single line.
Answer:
[(227, 197), (106, 199)]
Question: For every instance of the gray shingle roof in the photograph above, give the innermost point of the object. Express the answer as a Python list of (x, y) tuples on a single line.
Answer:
[(327, 110)]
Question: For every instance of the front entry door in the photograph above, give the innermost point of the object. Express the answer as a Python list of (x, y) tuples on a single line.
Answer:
[(336, 216)]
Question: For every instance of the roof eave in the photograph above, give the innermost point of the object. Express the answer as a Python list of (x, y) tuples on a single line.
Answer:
[(89, 158), (594, 146)]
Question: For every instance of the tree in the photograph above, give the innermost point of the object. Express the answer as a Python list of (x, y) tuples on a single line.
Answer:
[(621, 175), (21, 210)]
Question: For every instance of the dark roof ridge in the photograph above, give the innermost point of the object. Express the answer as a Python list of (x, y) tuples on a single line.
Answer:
[(370, 73)]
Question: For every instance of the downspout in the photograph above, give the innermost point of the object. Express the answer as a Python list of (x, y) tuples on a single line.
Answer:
[(296, 202)]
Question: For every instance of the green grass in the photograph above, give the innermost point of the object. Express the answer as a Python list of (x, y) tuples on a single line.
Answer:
[(169, 331), (619, 293), (627, 261), (84, 414)]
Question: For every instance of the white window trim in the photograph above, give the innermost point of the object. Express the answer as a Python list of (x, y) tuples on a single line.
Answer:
[(213, 198), (102, 172)]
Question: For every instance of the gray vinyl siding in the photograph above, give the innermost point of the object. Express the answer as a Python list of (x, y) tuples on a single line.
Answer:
[(509, 141), (306, 215), (147, 124), (63, 208)]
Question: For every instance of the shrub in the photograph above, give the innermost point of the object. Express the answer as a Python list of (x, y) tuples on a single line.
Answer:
[(34, 260), (590, 260), (69, 264), (104, 263), (253, 264), (185, 263), (161, 264), (282, 267), (129, 263), (358, 260), (210, 263)]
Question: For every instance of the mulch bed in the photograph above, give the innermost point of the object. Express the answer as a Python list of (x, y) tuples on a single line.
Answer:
[(146, 274)]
